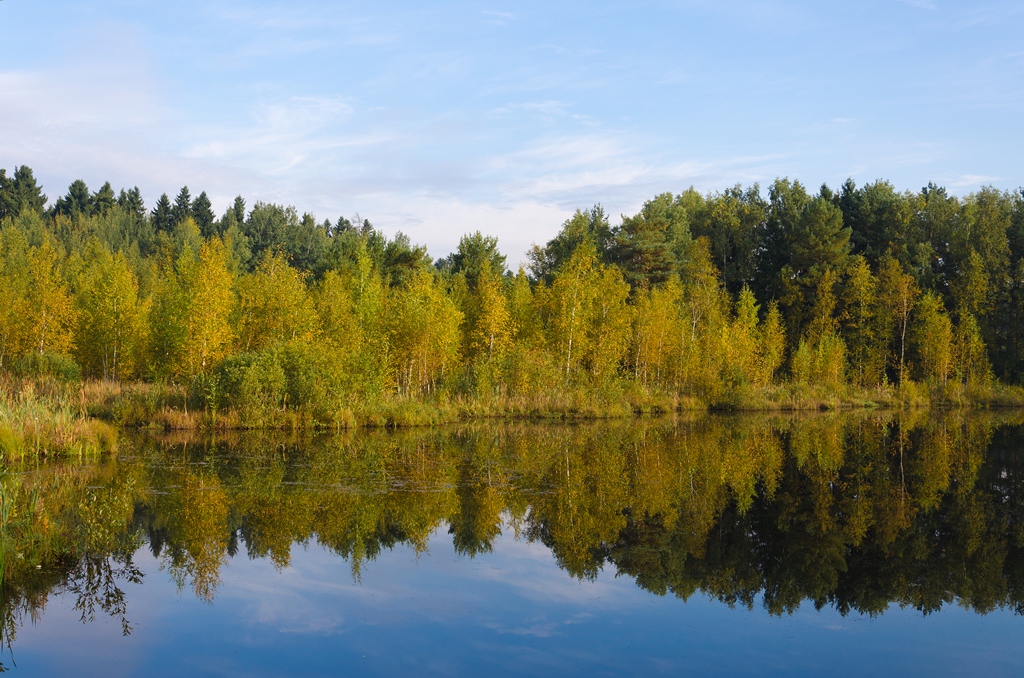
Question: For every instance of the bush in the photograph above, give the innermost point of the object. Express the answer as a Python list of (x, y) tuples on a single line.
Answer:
[(252, 382), (309, 375), (55, 365)]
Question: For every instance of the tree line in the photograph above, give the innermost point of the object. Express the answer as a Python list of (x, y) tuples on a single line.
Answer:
[(712, 297)]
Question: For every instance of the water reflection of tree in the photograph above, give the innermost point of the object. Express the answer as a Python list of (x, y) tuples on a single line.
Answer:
[(858, 512), (65, 529)]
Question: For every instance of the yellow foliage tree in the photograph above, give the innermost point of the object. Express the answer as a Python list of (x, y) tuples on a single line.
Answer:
[(274, 306), (423, 333), (49, 314), (209, 333), (569, 305), (654, 332), (489, 321), (898, 294), (933, 334), (111, 319), (14, 272)]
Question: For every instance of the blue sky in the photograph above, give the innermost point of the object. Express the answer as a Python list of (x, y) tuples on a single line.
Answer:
[(444, 117)]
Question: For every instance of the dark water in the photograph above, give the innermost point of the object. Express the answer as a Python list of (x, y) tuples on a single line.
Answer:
[(847, 545)]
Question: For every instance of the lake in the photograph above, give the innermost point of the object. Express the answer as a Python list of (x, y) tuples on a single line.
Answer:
[(846, 544)]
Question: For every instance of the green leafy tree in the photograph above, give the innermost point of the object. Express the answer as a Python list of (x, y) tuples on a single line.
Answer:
[(590, 226)]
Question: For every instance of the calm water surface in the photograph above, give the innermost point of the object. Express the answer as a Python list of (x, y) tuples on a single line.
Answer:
[(849, 544)]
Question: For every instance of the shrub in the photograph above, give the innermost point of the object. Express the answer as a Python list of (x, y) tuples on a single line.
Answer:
[(252, 382), (55, 365)]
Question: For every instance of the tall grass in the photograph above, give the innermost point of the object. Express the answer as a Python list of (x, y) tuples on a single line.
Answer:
[(43, 416), (48, 418)]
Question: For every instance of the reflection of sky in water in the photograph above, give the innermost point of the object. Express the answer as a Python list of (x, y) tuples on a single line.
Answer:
[(510, 612)]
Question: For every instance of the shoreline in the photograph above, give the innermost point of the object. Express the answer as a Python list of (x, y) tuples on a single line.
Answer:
[(66, 419)]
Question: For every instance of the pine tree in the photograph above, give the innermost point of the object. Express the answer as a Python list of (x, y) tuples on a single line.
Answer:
[(182, 208), (202, 212), (238, 209), (77, 203), (20, 192), (103, 199), (644, 243), (163, 220), (131, 202), (476, 252)]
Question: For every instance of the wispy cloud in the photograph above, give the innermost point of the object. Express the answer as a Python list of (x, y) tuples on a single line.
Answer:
[(920, 4), (973, 180)]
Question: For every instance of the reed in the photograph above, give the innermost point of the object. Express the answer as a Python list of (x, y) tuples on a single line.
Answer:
[(48, 417)]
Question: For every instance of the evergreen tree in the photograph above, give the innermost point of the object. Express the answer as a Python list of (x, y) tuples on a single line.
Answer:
[(202, 212), (732, 222), (29, 193), (20, 192), (77, 203), (9, 204), (238, 209), (182, 208), (163, 219), (131, 202), (645, 244), (103, 200)]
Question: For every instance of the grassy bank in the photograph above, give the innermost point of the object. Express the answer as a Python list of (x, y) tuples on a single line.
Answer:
[(74, 419), (46, 418)]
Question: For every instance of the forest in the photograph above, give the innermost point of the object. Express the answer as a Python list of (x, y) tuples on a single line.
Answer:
[(170, 315)]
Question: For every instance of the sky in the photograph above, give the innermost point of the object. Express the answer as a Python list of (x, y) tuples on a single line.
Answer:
[(443, 118)]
